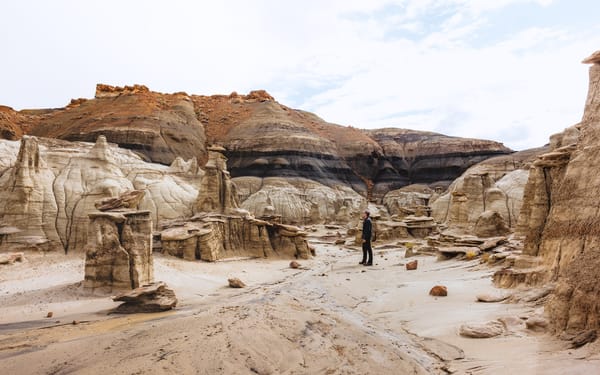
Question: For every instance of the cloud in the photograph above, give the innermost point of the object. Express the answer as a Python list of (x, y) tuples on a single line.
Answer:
[(467, 68)]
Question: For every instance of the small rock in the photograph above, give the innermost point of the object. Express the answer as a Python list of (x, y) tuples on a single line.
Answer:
[(412, 265), (511, 322), (584, 338), (340, 241), (294, 264), (75, 322), (10, 258), (482, 331), (438, 291), (236, 283), (484, 297), (50, 314), (536, 323)]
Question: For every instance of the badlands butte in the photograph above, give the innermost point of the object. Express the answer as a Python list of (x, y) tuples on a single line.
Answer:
[(143, 232)]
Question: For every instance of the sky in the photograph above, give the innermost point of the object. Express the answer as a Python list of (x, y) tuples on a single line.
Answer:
[(506, 70)]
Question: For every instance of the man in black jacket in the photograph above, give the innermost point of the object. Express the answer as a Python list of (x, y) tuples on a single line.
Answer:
[(367, 230)]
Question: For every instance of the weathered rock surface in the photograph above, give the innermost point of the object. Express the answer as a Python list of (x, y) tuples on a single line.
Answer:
[(236, 283), (583, 338), (13, 124), (496, 184), (27, 201), (410, 200), (565, 219), (215, 236), (491, 224), (425, 157), (129, 199), (119, 250), (217, 191), (299, 200), (482, 331), (263, 138), (158, 126), (536, 323), (50, 186), (153, 297)]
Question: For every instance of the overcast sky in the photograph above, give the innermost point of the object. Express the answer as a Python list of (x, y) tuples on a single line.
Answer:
[(507, 70)]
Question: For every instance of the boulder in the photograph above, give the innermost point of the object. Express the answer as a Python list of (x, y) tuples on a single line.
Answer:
[(294, 264), (482, 331), (491, 224), (438, 291), (154, 297), (236, 283)]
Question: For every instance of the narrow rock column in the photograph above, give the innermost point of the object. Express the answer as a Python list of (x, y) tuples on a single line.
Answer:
[(119, 251)]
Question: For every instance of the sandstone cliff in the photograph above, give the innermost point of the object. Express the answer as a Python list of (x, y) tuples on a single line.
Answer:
[(565, 215)]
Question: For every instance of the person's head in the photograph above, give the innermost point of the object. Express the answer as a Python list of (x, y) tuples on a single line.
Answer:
[(366, 214)]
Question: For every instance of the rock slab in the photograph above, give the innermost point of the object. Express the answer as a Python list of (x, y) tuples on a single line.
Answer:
[(482, 331), (154, 297)]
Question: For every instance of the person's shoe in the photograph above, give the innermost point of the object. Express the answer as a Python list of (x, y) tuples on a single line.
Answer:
[(361, 262), (367, 264)]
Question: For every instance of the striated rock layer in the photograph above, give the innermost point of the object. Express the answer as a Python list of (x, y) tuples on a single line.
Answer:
[(563, 218), (263, 138), (158, 126), (119, 250)]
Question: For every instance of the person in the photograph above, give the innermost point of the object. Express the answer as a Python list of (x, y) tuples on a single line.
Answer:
[(367, 231)]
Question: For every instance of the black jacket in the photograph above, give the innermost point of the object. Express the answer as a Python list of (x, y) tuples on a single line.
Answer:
[(367, 229)]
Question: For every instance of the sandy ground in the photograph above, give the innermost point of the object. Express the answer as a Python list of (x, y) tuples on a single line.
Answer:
[(332, 316)]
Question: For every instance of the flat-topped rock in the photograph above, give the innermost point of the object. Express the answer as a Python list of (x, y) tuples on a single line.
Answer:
[(154, 297)]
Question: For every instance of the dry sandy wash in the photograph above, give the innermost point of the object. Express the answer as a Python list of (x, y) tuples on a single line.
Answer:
[(330, 316)]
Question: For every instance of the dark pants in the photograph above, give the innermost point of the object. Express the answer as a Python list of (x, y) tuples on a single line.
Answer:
[(366, 246)]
